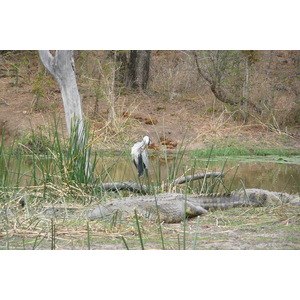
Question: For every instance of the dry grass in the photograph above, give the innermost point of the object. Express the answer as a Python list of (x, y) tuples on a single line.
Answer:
[(270, 227)]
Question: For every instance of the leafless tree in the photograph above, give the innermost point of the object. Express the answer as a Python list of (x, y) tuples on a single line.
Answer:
[(227, 73), (212, 66)]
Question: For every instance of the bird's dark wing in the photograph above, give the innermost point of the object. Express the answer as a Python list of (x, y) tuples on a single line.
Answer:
[(140, 166), (145, 169)]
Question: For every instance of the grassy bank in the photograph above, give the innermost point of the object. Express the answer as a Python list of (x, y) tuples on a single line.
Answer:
[(57, 178), (235, 151)]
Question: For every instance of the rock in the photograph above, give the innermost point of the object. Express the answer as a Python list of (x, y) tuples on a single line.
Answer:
[(169, 146), (153, 146), (173, 144), (164, 140), (138, 118), (150, 121), (168, 143)]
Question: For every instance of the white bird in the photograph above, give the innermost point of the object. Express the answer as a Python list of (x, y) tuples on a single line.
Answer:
[(140, 156)]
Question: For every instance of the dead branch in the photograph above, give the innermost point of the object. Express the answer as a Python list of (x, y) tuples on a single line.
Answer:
[(138, 187), (190, 178)]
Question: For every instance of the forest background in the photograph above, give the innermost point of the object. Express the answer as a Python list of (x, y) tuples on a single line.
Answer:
[(238, 99)]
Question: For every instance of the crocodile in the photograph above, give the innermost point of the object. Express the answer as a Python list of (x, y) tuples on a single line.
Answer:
[(174, 207)]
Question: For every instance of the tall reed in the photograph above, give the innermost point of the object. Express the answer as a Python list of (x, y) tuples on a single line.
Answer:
[(61, 160)]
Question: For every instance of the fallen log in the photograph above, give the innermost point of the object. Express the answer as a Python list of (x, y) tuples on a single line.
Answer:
[(190, 178), (138, 187)]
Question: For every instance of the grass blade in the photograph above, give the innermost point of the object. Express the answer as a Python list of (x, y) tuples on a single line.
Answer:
[(52, 235), (88, 236), (196, 233), (139, 229), (125, 243)]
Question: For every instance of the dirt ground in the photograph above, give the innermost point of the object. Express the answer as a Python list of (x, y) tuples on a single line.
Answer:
[(182, 118)]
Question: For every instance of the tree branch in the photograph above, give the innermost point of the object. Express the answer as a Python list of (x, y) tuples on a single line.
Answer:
[(47, 59), (137, 187), (190, 178), (201, 73)]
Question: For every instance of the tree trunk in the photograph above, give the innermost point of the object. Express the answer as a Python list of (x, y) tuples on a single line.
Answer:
[(121, 70), (61, 66), (112, 96), (246, 91), (221, 95), (138, 69)]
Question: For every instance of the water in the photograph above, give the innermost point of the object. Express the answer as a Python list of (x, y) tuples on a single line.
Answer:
[(271, 173), (271, 176)]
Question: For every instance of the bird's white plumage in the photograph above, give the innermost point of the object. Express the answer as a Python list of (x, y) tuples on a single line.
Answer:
[(146, 140), (145, 158), (140, 156)]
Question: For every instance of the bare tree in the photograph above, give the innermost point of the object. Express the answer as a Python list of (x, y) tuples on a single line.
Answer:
[(213, 70), (227, 73)]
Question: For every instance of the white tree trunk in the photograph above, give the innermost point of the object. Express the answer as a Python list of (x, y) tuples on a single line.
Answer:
[(61, 66)]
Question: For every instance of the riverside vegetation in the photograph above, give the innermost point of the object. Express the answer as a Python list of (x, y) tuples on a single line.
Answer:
[(193, 117), (56, 179)]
